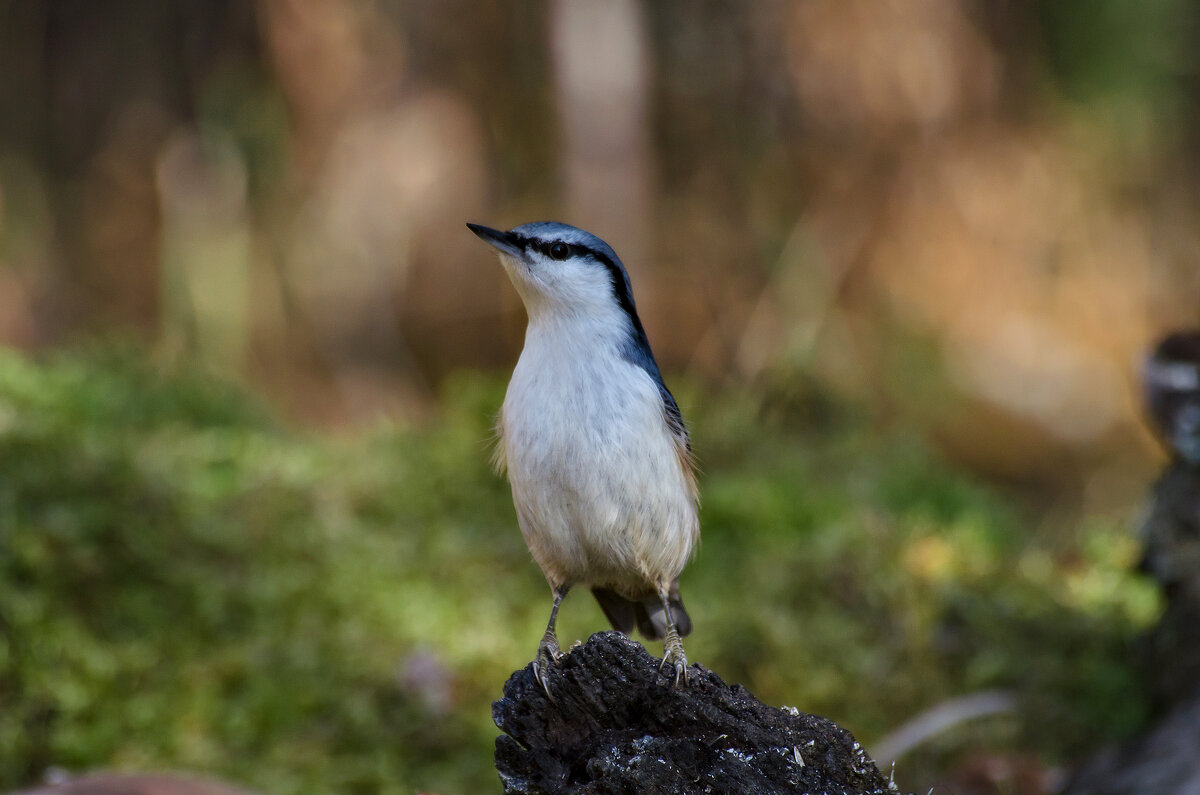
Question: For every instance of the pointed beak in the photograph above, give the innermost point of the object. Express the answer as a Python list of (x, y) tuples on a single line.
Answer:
[(506, 242)]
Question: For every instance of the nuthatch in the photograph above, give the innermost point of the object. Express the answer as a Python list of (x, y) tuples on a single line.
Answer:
[(596, 450), (1171, 384), (1170, 525)]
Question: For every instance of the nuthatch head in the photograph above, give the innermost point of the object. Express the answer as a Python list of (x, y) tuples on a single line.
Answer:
[(593, 441), (556, 267)]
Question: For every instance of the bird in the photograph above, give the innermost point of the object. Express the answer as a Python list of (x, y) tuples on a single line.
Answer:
[(595, 448), (1169, 526), (1171, 391)]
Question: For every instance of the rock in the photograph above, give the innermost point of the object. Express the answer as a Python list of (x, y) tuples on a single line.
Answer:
[(616, 725)]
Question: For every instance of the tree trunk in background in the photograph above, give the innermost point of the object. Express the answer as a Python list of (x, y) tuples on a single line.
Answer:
[(601, 72)]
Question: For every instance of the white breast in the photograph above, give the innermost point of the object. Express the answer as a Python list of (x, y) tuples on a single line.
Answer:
[(596, 476)]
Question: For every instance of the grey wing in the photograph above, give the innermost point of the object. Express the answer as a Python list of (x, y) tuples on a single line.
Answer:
[(679, 434), (674, 417)]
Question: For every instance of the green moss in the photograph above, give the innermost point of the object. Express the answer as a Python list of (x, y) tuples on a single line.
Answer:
[(186, 584)]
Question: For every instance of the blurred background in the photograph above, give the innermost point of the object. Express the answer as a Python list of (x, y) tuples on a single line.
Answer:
[(899, 260)]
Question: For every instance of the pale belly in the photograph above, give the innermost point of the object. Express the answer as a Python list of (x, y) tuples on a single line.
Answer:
[(598, 484)]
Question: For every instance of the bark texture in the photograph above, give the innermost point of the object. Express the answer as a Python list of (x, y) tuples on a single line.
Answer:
[(616, 725)]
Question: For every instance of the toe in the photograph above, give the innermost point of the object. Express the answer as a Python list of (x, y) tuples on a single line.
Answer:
[(541, 672)]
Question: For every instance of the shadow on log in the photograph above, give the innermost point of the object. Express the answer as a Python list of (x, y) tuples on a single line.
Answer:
[(617, 725)]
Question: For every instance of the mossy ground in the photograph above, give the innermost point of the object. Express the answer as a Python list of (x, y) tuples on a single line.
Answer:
[(186, 583)]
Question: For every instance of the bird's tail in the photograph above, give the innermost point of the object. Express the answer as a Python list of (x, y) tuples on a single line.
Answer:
[(646, 614)]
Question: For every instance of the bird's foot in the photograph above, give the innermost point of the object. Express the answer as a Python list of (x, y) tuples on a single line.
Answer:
[(548, 654), (674, 658)]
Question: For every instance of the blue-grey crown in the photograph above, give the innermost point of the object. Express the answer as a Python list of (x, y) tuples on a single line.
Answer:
[(551, 231)]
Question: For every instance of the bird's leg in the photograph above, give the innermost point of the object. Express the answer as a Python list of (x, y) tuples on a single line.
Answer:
[(548, 651), (673, 654)]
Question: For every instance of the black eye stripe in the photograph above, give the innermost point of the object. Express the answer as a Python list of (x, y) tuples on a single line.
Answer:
[(573, 249), (620, 284)]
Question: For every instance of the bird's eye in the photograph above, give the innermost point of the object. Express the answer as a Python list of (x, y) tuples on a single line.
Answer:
[(559, 251)]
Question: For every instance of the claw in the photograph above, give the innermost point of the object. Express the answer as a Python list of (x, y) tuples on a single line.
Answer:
[(674, 656), (548, 654)]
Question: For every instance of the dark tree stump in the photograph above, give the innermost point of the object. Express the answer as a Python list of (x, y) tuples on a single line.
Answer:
[(616, 725)]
